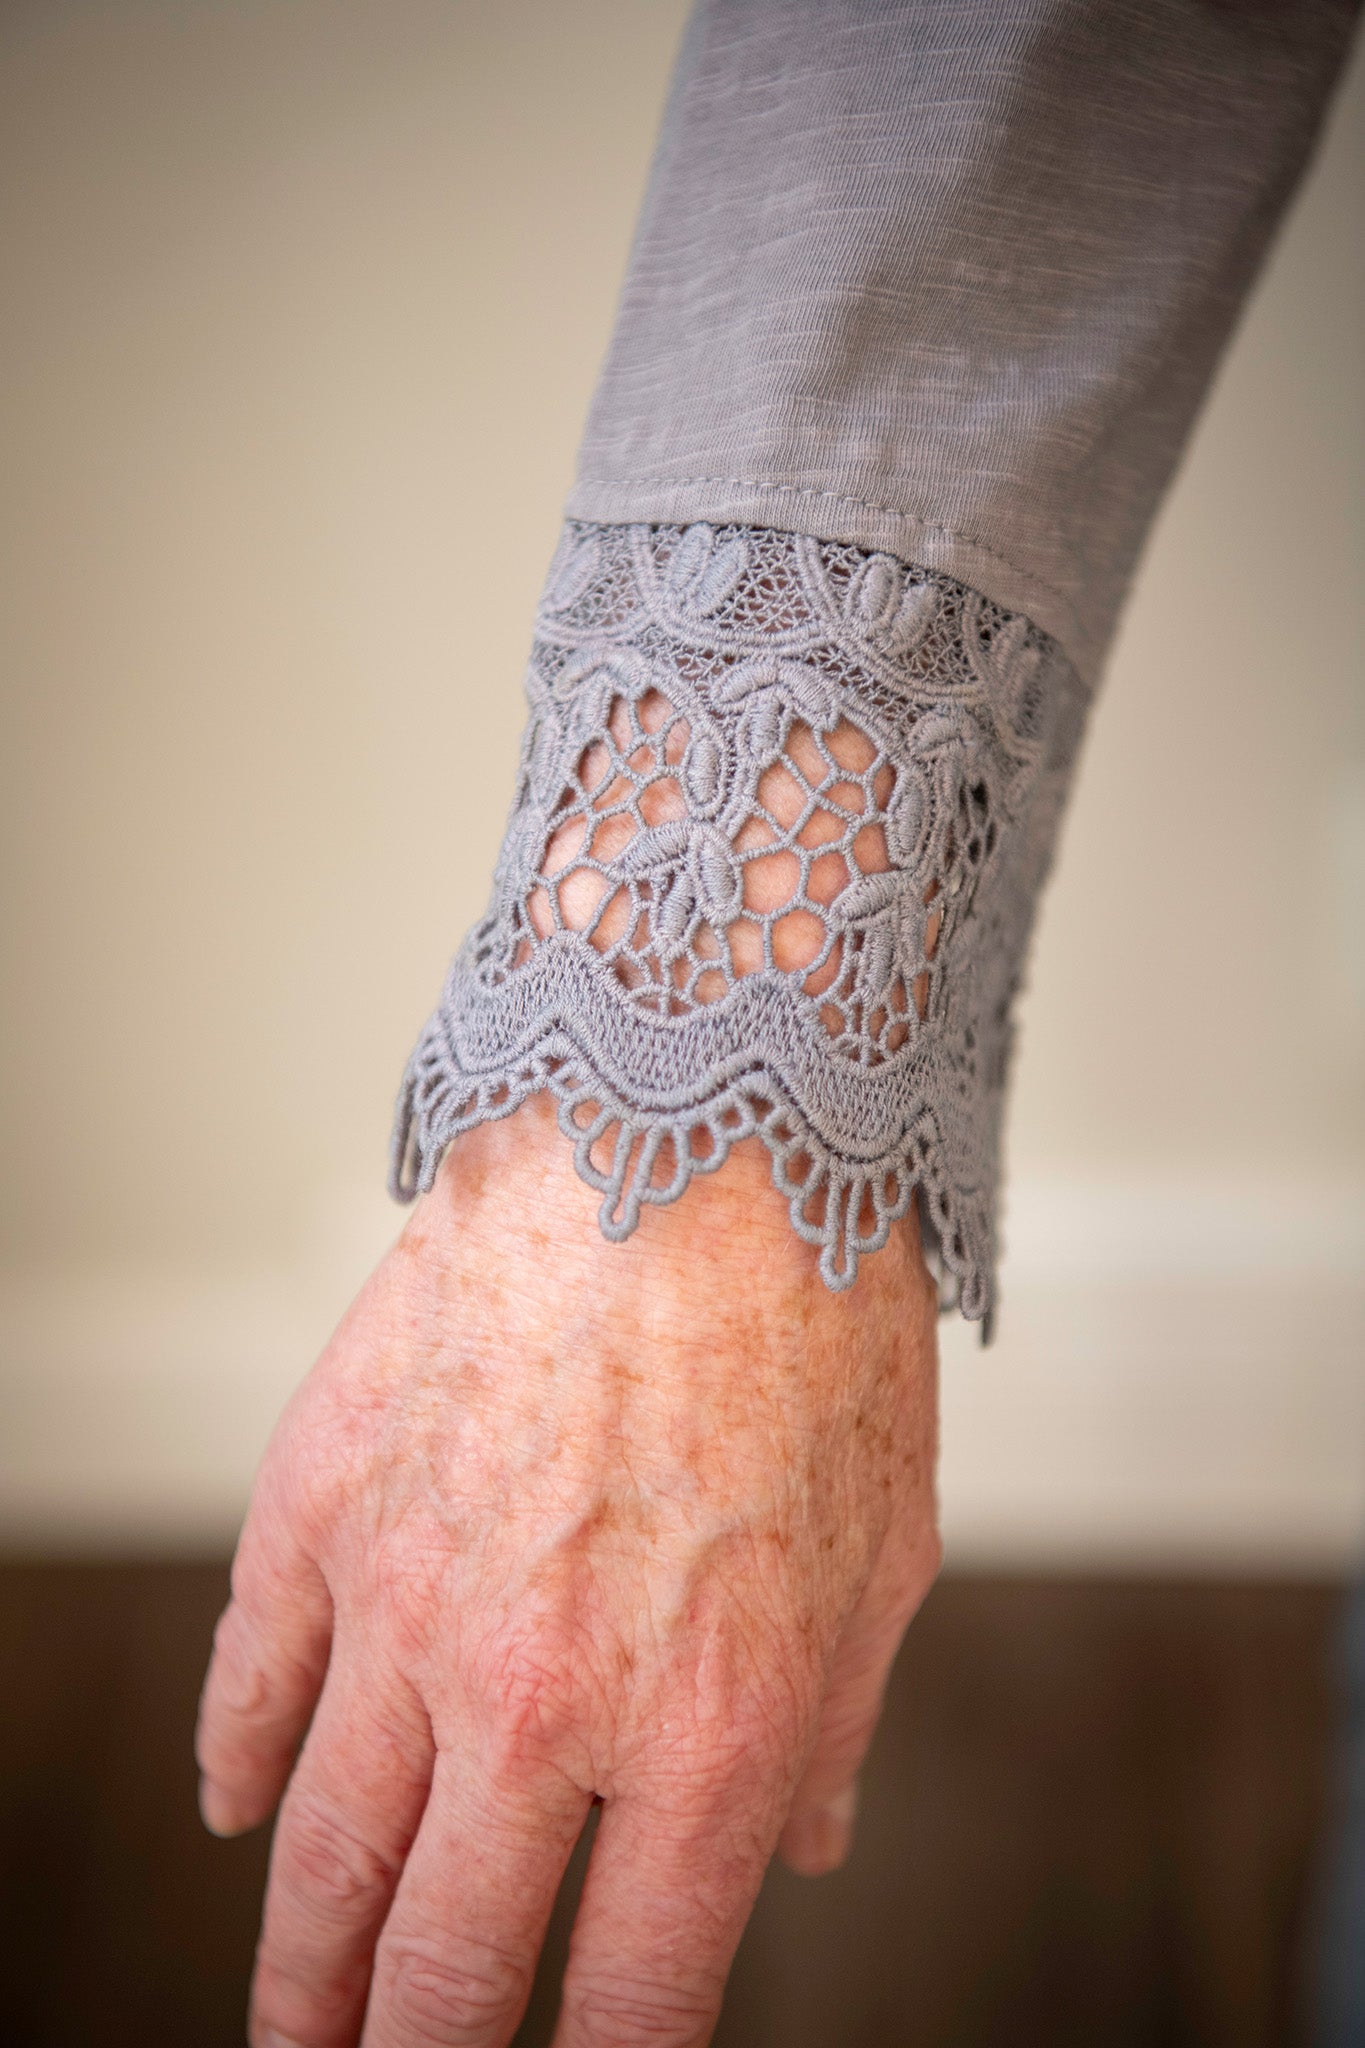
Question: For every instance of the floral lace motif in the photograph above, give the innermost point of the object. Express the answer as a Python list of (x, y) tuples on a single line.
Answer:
[(781, 817)]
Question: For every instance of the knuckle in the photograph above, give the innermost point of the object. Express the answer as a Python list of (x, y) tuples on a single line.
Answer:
[(721, 1752), (239, 1680), (245, 1718), (335, 1868), (277, 1603), (305, 2012), (259, 1574), (617, 2012), (534, 1682), (411, 1599), (301, 1490), (711, 1776), (435, 1995), (764, 1726), (233, 1736)]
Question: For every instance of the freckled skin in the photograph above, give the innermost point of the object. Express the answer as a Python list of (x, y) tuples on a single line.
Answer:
[(554, 1519)]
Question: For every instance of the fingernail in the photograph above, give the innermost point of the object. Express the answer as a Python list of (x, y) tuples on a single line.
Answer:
[(836, 1823), (217, 1811), (820, 1840), (844, 1805)]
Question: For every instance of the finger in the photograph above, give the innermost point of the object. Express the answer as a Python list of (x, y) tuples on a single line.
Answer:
[(347, 1821), (671, 1882), (269, 1658), (457, 1956), (819, 1828)]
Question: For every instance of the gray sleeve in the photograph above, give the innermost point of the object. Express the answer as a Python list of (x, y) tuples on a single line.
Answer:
[(949, 277), (922, 302)]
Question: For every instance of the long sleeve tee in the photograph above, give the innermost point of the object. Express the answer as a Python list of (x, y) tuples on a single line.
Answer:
[(923, 300)]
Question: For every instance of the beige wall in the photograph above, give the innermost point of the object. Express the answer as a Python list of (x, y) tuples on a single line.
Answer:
[(302, 309)]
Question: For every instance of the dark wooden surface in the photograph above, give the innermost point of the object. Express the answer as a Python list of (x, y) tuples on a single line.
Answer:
[(1089, 1820)]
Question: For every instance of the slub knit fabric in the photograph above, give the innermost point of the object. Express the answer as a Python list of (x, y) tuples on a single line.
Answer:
[(923, 299), (949, 277)]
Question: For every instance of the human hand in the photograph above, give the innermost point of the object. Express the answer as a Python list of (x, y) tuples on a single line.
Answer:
[(554, 1519)]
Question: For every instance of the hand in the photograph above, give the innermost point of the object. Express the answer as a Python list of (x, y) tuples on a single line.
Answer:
[(554, 1519)]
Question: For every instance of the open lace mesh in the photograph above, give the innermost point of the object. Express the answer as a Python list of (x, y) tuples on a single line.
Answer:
[(782, 813)]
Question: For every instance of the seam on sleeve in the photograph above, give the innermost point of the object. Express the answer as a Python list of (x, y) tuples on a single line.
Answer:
[(926, 526)]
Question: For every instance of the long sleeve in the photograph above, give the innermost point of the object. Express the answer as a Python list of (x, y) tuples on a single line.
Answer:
[(949, 277), (922, 302)]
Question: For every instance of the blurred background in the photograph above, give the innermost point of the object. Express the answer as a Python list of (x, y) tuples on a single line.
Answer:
[(302, 306)]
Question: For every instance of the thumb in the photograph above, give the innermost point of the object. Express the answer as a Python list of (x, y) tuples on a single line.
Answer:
[(818, 1832)]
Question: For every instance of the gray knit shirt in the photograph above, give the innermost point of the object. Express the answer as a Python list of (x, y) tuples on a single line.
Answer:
[(923, 299)]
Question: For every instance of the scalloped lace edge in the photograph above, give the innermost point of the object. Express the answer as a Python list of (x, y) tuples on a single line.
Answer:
[(438, 1102)]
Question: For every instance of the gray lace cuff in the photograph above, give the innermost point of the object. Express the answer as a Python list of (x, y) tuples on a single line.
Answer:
[(782, 814)]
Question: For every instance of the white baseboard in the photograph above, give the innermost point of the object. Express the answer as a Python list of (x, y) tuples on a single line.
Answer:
[(1178, 1386)]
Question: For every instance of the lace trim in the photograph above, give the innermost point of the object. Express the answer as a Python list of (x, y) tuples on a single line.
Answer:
[(782, 813)]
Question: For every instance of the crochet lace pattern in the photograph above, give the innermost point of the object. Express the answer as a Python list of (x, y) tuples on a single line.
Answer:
[(782, 813)]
